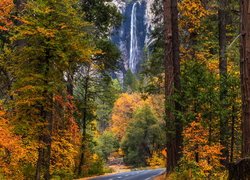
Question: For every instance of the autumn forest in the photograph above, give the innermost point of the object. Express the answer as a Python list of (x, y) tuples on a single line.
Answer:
[(72, 105)]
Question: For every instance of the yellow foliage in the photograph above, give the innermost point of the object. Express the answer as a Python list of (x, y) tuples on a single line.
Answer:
[(64, 154), (46, 32), (156, 102), (195, 31), (192, 13), (157, 160), (120, 152)]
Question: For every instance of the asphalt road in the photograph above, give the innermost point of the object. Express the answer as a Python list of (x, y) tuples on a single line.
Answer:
[(132, 175)]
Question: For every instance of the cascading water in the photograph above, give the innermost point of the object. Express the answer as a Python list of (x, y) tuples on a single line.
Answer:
[(132, 35), (133, 40)]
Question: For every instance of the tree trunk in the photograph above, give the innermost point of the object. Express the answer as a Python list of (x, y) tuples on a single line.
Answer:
[(233, 117), (19, 4), (39, 164), (45, 140), (44, 152), (84, 123), (172, 82), (241, 169), (177, 81), (70, 81), (222, 15), (48, 140), (245, 75), (169, 86)]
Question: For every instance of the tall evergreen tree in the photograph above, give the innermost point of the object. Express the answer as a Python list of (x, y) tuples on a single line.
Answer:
[(245, 73), (103, 14), (222, 16), (241, 169), (172, 83)]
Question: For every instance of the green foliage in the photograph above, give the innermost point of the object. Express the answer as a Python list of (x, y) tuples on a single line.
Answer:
[(109, 56), (105, 102), (152, 78), (102, 14), (38, 64), (144, 135), (199, 93), (106, 144), (93, 84), (62, 174), (28, 171), (131, 83), (97, 168), (194, 173), (108, 170)]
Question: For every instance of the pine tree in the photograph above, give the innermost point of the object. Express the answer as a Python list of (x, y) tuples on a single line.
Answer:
[(172, 82), (223, 20), (244, 76)]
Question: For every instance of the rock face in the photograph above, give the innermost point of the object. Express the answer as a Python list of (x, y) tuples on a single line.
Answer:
[(133, 35)]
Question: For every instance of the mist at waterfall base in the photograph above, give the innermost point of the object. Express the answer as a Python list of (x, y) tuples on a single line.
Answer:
[(130, 37)]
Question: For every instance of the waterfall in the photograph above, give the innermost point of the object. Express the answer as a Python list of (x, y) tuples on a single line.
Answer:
[(130, 37), (133, 40)]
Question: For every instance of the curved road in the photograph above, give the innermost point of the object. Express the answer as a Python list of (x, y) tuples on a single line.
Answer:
[(132, 175)]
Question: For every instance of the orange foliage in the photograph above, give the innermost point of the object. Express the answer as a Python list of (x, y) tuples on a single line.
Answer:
[(66, 136), (11, 150), (123, 111), (64, 118), (5, 8), (125, 106), (197, 147)]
